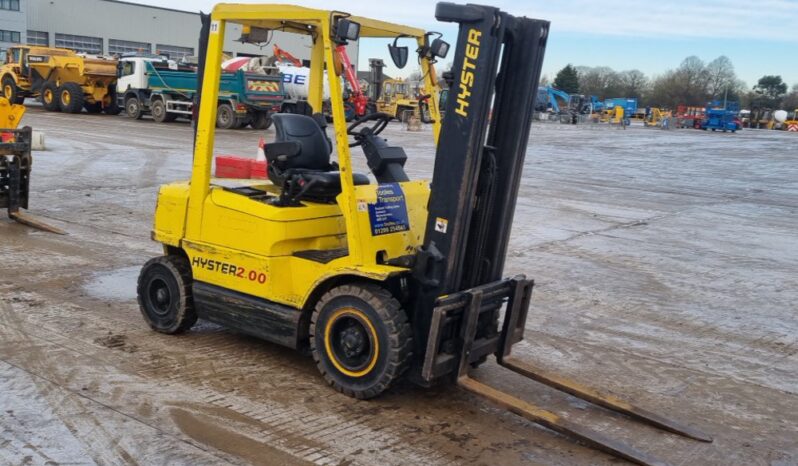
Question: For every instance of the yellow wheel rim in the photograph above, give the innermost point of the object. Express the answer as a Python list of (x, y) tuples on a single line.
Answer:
[(366, 323), (66, 97), (48, 96), (7, 91)]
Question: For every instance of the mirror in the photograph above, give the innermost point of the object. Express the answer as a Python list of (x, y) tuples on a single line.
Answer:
[(398, 54)]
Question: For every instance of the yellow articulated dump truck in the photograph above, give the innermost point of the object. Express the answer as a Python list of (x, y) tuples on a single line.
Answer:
[(62, 79)]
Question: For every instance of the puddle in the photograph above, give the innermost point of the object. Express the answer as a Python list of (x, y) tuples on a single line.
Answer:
[(117, 285)]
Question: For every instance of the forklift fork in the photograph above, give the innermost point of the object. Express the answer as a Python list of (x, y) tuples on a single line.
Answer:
[(518, 296), (15, 167)]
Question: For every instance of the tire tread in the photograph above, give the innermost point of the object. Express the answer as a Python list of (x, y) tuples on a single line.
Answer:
[(395, 321)]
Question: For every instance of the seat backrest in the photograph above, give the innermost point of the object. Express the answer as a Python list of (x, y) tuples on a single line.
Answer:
[(315, 148)]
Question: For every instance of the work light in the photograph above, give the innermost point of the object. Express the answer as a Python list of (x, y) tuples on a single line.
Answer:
[(346, 30), (439, 48)]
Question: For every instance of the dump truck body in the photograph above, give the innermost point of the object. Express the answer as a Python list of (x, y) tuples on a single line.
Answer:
[(61, 78)]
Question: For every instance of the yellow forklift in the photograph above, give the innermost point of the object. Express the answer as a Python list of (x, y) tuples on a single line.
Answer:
[(377, 276)]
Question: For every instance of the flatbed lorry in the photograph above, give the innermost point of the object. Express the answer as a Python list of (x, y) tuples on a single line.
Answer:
[(160, 87)]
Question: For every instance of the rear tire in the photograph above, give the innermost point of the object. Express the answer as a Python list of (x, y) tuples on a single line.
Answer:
[(70, 98), (164, 294), (96, 107), (360, 339), (133, 108), (49, 97), (113, 107), (159, 112), (11, 91), (262, 121), (226, 117)]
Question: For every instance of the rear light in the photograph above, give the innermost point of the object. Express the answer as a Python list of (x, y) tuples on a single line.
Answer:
[(241, 107)]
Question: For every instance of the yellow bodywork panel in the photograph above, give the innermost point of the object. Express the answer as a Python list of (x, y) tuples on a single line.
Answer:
[(250, 246), (10, 114)]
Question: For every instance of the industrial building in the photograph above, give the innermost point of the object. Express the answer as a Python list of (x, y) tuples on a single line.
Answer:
[(108, 27)]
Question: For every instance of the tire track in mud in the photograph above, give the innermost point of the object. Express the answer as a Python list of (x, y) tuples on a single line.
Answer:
[(100, 443), (224, 383)]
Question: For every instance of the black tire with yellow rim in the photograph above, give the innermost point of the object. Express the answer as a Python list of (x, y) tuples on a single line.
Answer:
[(71, 98), (360, 339), (11, 91), (49, 97)]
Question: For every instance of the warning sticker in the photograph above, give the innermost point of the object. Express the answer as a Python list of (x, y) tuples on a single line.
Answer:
[(389, 213), (441, 225)]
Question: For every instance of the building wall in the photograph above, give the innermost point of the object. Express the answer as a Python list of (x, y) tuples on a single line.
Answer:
[(125, 21), (13, 21)]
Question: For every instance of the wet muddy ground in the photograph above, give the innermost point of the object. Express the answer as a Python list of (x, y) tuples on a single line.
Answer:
[(666, 268)]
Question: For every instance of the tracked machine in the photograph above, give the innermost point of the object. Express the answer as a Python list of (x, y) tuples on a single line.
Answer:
[(377, 276)]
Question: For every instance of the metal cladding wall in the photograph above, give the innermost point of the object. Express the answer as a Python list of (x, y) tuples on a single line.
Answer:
[(13, 21), (126, 21)]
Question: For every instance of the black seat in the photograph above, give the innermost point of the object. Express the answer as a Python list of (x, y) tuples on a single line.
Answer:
[(299, 160)]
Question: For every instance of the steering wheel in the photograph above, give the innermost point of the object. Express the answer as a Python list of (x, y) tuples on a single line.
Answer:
[(380, 120)]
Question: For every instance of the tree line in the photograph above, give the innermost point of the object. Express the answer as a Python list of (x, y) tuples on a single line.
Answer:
[(693, 83)]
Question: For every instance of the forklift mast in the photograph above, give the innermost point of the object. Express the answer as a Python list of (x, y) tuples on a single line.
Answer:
[(480, 154), (375, 78)]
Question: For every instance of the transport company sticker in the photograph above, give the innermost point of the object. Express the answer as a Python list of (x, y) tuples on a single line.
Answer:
[(389, 213)]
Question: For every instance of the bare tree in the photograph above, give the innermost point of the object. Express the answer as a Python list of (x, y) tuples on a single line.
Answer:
[(601, 81), (721, 78), (634, 83), (693, 81), (666, 90)]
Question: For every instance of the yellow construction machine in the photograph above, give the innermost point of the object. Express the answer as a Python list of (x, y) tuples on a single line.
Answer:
[(62, 79), (378, 276), (657, 117), (15, 165), (397, 99)]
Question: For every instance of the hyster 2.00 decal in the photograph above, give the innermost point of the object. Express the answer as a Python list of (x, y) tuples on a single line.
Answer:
[(226, 268)]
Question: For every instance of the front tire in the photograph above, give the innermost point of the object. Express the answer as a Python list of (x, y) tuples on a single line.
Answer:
[(164, 294), (133, 108), (11, 91), (360, 339)]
